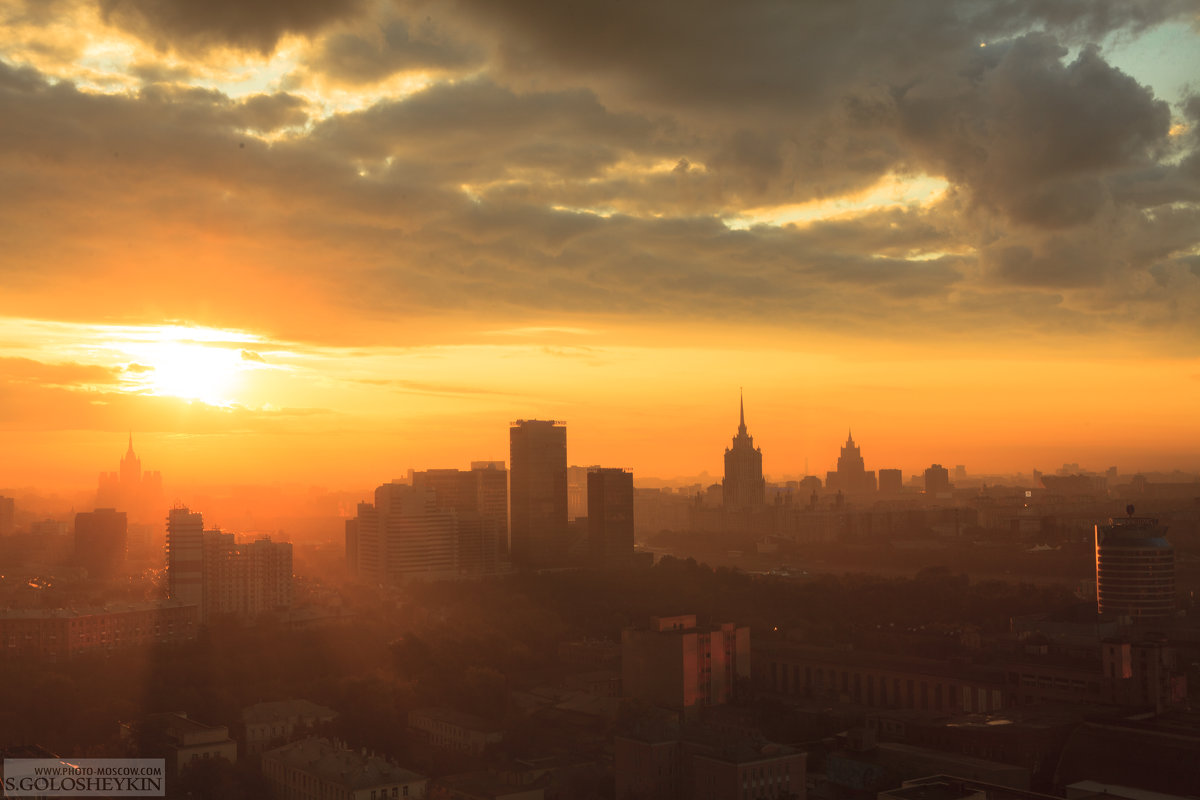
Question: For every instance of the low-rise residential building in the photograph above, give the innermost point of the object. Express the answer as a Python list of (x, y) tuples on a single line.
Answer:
[(280, 722), (178, 739), (317, 769), (454, 730), (57, 634)]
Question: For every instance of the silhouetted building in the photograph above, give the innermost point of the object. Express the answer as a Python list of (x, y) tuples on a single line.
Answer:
[(7, 512), (405, 536), (851, 476), (137, 493), (479, 500), (577, 491), (318, 768), (537, 493), (185, 556), (676, 665), (272, 724), (179, 740), (937, 480), (1135, 568), (662, 760), (743, 488), (610, 516), (244, 579), (891, 481), (454, 730), (1143, 673), (100, 541), (57, 634)]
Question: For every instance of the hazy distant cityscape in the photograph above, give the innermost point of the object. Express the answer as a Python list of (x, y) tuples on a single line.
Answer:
[(533, 629)]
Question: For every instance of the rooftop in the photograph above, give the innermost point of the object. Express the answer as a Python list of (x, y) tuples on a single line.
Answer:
[(347, 768)]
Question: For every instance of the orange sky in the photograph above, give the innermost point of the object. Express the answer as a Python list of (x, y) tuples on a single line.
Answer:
[(317, 243)]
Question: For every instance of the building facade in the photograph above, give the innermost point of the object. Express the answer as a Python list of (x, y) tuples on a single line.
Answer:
[(479, 499), (57, 634), (743, 488), (851, 476), (185, 556), (317, 769), (537, 494), (1135, 569), (404, 536), (674, 664), (610, 516)]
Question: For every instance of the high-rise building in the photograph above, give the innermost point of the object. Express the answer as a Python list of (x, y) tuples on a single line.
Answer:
[(577, 491), (851, 476), (211, 570), (245, 579), (610, 516), (891, 481), (937, 480), (479, 500), (537, 493), (137, 493), (100, 541), (1135, 568), (7, 512), (404, 536), (185, 556), (743, 488)]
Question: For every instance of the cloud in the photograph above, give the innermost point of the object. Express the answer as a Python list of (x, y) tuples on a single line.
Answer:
[(252, 25), (67, 375), (250, 355), (380, 51)]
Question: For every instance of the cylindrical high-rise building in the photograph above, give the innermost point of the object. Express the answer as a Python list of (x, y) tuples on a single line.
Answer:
[(1135, 569)]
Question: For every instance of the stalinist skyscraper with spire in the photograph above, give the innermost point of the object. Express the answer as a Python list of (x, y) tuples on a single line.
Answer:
[(743, 488)]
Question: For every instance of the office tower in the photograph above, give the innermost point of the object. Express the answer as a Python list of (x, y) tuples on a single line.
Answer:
[(610, 516), (405, 536), (891, 481), (851, 476), (537, 493), (185, 556), (743, 488), (100, 541), (937, 479), (479, 500), (1135, 568), (577, 491), (7, 511)]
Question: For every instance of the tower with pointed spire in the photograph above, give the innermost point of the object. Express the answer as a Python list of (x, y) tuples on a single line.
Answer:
[(852, 476), (137, 493), (743, 488)]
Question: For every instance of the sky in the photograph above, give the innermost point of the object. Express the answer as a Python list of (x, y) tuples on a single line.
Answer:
[(300, 240)]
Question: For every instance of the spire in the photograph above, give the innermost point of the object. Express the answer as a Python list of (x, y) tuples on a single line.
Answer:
[(130, 451), (849, 436), (741, 413)]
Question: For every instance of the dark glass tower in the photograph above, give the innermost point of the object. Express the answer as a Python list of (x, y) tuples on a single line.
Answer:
[(537, 493)]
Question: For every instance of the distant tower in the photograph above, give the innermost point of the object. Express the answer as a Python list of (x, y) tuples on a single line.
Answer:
[(1135, 568), (851, 476), (610, 516), (537, 493), (743, 488)]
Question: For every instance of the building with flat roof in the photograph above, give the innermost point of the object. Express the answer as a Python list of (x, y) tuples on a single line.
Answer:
[(610, 516), (404, 536), (537, 493), (277, 722), (1135, 569), (101, 541), (317, 769), (675, 664), (454, 730), (178, 739), (58, 634)]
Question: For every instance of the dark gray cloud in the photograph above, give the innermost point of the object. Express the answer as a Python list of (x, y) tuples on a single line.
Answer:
[(255, 25), (367, 57)]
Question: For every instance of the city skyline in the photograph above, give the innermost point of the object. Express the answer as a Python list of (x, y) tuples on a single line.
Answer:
[(332, 244)]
